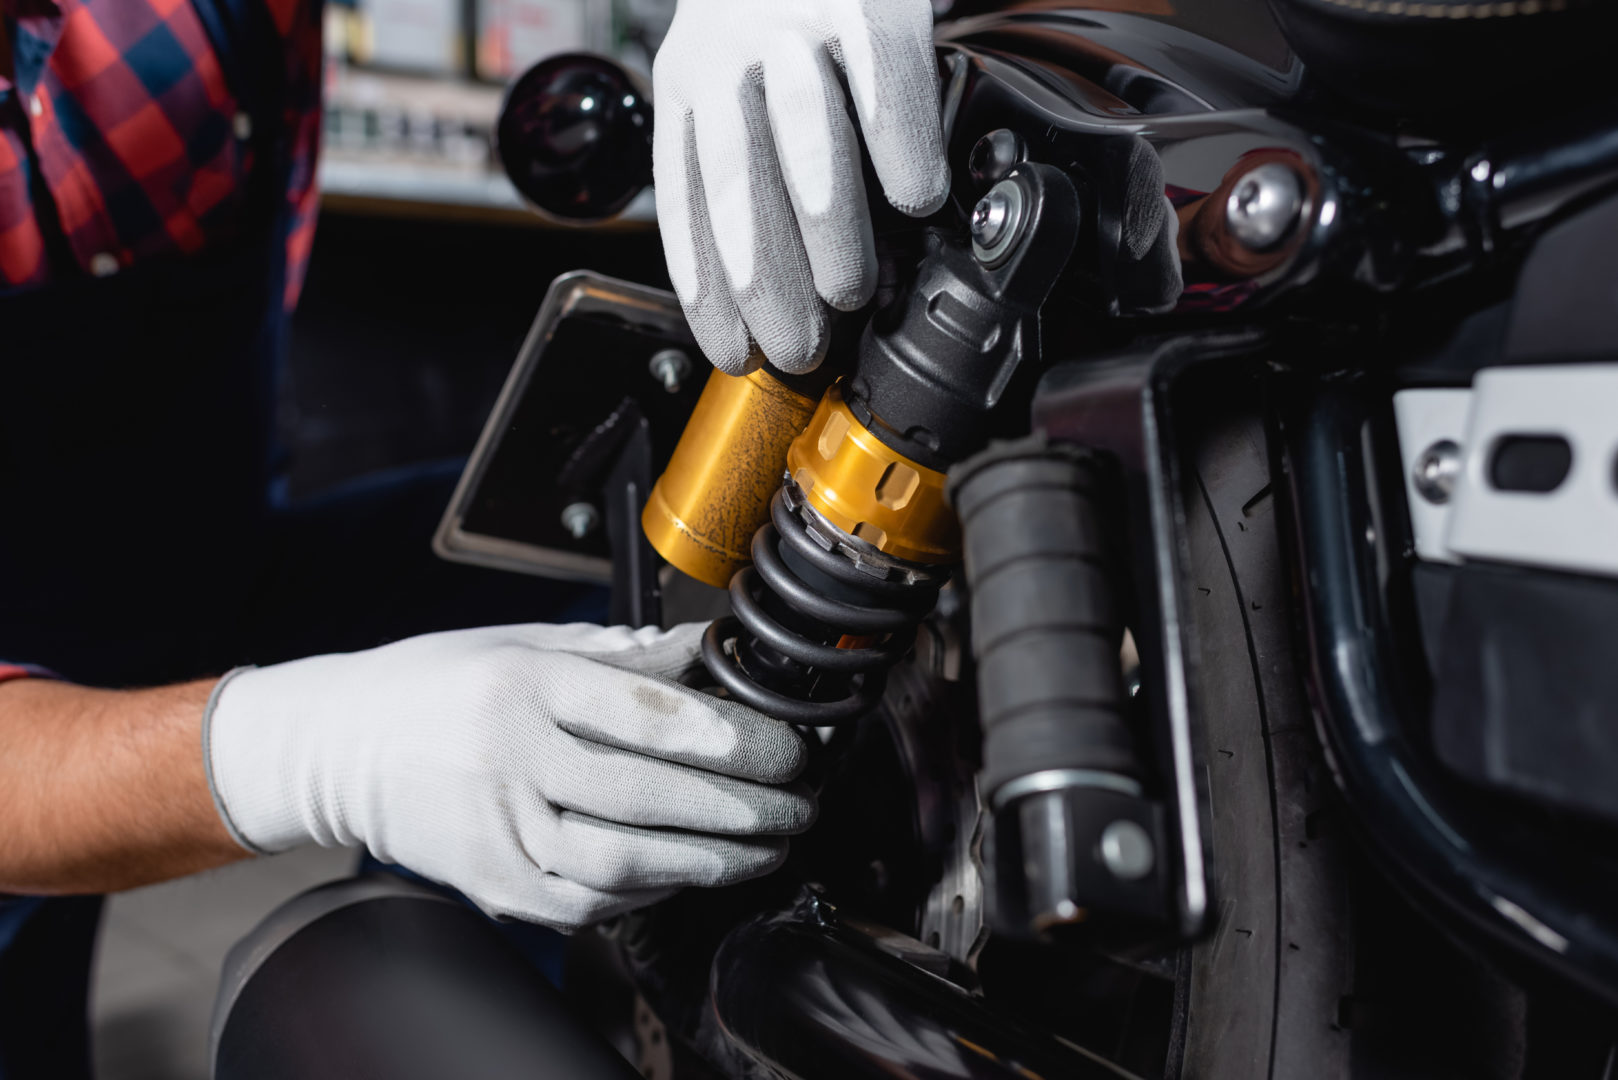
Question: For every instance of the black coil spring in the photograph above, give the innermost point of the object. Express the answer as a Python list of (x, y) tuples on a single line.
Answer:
[(844, 683)]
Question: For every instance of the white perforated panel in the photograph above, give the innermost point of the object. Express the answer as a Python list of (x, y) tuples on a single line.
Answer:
[(1574, 527)]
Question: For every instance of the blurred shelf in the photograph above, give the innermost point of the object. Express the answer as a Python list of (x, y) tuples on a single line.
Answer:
[(417, 146), (406, 181), (407, 189), (370, 88)]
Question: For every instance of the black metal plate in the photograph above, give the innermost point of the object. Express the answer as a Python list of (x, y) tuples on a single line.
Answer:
[(552, 437)]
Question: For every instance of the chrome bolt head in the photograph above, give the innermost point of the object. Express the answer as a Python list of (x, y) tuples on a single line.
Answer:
[(1126, 850), (1264, 206), (671, 367), (989, 218), (580, 519), (1437, 471), (997, 222)]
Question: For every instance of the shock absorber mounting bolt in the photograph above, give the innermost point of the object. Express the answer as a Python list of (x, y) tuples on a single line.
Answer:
[(1126, 850), (997, 222), (989, 218)]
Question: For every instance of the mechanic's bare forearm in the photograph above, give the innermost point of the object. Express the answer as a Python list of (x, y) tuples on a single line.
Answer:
[(103, 790)]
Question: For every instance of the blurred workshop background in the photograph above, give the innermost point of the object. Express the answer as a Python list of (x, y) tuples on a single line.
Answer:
[(417, 217), (426, 273)]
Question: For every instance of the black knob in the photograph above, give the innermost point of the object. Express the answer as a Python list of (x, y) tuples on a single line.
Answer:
[(575, 136)]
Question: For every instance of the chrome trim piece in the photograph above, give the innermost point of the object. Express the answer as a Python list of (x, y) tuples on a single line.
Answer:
[(1059, 779)]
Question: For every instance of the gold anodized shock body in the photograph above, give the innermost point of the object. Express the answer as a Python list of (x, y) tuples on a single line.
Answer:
[(717, 488), (869, 490)]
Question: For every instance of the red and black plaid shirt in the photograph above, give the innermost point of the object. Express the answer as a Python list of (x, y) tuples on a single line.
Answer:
[(123, 108)]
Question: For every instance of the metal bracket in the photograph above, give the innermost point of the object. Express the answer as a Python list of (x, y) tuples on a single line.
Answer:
[(637, 596), (1123, 406)]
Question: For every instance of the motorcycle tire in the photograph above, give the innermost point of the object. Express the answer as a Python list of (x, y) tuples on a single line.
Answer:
[(1261, 996), (1316, 968)]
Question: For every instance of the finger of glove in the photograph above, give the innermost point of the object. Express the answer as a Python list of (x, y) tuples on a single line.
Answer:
[(617, 858), (820, 162), (1145, 205), (756, 230), (555, 901), (633, 789), (694, 263), (886, 49), (662, 654), (629, 711), (650, 650)]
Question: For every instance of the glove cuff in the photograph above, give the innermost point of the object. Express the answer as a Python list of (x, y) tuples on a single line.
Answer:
[(207, 761)]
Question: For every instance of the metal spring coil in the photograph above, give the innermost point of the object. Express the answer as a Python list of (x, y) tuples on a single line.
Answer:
[(895, 607)]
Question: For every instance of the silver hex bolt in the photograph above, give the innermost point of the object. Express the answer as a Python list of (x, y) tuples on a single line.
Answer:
[(671, 367), (989, 218), (1437, 471), (1126, 850), (1264, 206), (997, 222), (580, 519)]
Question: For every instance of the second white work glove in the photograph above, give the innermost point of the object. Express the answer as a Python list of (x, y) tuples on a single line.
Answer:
[(760, 197), (550, 773)]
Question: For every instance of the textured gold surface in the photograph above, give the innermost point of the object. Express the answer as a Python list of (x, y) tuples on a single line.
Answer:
[(717, 488), (869, 490)]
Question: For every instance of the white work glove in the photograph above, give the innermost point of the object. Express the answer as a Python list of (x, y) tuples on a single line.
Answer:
[(757, 167), (550, 773)]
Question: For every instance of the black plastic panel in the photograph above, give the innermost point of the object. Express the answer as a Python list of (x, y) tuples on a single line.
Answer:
[(1526, 686)]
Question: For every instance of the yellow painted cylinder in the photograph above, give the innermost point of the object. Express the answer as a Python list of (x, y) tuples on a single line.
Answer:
[(869, 490), (728, 464)]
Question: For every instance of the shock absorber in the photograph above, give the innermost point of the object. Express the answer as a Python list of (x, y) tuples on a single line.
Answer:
[(839, 582), (857, 537), (1074, 830)]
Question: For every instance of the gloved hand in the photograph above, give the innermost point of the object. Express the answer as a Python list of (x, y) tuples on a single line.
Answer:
[(550, 773), (759, 193)]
